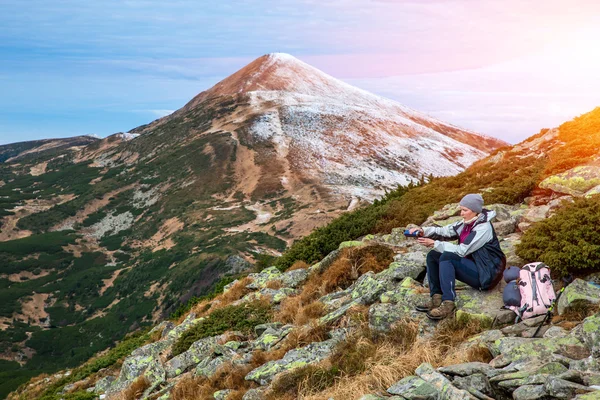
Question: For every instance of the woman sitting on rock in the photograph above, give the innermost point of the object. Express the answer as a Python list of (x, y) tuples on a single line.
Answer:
[(476, 260)]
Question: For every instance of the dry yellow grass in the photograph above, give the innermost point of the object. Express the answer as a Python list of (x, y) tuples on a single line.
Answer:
[(205, 307), (274, 284), (294, 311), (298, 265), (135, 390), (396, 357)]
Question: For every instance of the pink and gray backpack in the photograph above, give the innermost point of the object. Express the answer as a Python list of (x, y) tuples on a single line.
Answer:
[(529, 290)]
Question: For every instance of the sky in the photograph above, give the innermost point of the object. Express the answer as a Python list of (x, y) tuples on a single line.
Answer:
[(503, 68)]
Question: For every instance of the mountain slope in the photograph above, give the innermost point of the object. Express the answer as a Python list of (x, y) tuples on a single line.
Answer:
[(345, 327), (119, 233)]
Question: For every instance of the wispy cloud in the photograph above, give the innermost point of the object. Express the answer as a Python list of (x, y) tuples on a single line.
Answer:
[(72, 67)]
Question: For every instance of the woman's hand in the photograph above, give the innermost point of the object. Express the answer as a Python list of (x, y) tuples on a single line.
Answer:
[(426, 241), (413, 230)]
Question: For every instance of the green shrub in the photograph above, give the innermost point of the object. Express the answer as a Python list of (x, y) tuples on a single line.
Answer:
[(316, 378), (121, 350), (569, 241), (243, 317), (218, 289)]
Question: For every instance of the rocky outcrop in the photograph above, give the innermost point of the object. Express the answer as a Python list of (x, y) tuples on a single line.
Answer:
[(556, 364)]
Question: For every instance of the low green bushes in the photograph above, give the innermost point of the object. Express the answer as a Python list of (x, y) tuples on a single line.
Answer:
[(569, 241), (243, 317)]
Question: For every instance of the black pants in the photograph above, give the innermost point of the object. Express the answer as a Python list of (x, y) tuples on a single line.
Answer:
[(444, 268)]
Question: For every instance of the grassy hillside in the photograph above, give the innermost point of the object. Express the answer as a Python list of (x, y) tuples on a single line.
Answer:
[(179, 182)]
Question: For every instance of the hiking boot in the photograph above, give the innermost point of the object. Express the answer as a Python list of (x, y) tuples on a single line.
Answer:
[(434, 302), (445, 310)]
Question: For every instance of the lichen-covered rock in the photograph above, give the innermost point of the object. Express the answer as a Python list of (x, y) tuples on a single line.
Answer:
[(164, 327), (152, 348), (589, 332), (395, 238), (411, 265), (578, 290), (296, 358), (196, 353), (508, 246), (576, 181), (236, 264), (523, 351), (530, 392), (587, 365), (367, 289), (103, 384), (413, 387), (351, 243), (135, 366), (409, 293), (208, 366), (322, 265), (470, 368), (175, 333), (505, 228), (271, 337), (259, 280), (448, 211), (562, 389), (337, 314), (255, 394), (335, 300), (294, 278), (446, 390), (383, 316), (275, 296), (259, 329), (222, 394), (483, 305), (475, 384)]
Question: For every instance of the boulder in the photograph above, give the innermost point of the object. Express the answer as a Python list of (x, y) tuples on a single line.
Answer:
[(475, 384), (236, 264), (508, 246), (259, 329), (259, 280), (174, 334), (470, 368), (271, 337), (296, 358), (413, 387), (367, 289), (589, 332), (222, 394), (322, 265), (275, 296), (294, 278), (155, 348), (255, 394), (103, 384), (578, 290), (446, 390), (562, 389), (405, 265), (196, 353), (135, 366), (523, 351), (383, 316), (530, 392), (351, 243), (408, 293), (337, 314), (576, 181)]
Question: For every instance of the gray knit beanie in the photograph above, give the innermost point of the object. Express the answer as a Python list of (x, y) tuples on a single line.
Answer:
[(473, 202)]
